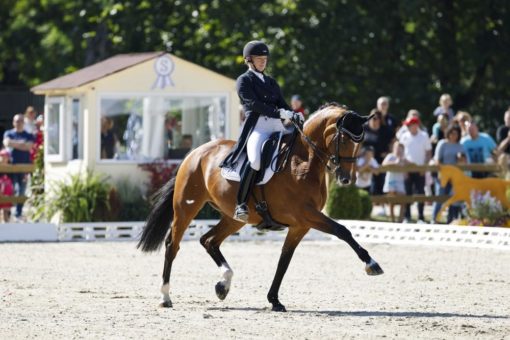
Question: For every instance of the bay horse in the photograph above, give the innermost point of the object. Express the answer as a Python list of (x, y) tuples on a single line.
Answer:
[(295, 197)]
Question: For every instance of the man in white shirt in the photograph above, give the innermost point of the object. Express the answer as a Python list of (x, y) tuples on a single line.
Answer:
[(418, 150)]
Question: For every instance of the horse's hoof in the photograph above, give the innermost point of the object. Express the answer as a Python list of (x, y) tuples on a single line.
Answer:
[(373, 268), (278, 308), (221, 291), (166, 304)]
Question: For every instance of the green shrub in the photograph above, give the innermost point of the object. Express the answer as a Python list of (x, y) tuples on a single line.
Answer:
[(132, 203), (83, 198), (366, 205), (344, 202)]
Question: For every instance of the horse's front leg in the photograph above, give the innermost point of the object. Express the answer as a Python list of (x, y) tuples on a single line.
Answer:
[(325, 224), (294, 236)]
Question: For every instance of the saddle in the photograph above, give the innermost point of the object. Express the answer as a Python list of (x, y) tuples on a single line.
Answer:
[(269, 161), (275, 151)]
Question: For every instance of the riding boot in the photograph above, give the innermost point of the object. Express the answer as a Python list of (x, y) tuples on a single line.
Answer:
[(248, 176)]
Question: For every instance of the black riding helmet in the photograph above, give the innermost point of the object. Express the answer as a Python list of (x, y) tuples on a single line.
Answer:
[(255, 47)]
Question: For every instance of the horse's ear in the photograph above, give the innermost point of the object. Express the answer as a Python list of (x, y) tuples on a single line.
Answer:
[(367, 118)]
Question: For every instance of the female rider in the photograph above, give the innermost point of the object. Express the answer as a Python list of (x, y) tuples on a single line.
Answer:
[(265, 110)]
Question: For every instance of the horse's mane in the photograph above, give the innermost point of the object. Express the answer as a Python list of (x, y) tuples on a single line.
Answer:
[(324, 112)]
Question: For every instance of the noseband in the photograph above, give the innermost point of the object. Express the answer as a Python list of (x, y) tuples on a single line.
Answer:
[(338, 139)]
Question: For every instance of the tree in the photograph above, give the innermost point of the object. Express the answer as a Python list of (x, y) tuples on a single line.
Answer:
[(348, 51)]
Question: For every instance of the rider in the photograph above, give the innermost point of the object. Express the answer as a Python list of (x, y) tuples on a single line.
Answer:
[(265, 110)]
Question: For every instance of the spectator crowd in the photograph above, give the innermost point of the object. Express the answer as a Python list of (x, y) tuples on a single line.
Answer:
[(20, 146), (454, 138)]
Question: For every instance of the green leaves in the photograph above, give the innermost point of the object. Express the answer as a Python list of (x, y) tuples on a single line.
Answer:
[(348, 51), (79, 198)]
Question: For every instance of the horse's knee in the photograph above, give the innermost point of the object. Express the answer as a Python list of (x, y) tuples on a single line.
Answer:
[(204, 241)]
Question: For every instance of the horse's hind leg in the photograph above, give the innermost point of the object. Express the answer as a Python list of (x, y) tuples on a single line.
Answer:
[(184, 214), (211, 242)]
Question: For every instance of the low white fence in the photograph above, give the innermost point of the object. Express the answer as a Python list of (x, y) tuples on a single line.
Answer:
[(363, 231), (128, 231)]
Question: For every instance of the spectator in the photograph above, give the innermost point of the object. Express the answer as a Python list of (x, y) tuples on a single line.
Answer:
[(39, 137), (439, 130), (410, 114), (6, 187), (394, 183), (417, 151), (29, 119), (186, 142), (503, 134), (383, 105), (445, 103), (364, 166), (479, 147), (19, 142), (296, 103), (447, 152), (461, 118), (379, 138), (108, 139)]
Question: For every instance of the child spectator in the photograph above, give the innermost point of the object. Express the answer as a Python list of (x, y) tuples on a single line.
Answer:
[(365, 164), (6, 187), (394, 183), (445, 103)]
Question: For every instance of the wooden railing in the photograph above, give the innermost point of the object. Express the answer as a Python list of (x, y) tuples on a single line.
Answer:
[(405, 199), (15, 168)]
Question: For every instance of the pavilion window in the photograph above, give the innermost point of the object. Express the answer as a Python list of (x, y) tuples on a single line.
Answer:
[(145, 128)]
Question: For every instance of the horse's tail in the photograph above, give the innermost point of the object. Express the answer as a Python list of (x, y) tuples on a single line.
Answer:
[(159, 219)]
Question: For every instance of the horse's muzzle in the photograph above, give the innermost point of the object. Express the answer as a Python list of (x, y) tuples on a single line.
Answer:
[(343, 177)]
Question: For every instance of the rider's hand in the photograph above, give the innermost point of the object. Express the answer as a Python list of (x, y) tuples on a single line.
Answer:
[(286, 114), (298, 116)]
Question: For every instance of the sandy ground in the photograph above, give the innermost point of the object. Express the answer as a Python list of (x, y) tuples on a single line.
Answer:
[(110, 290)]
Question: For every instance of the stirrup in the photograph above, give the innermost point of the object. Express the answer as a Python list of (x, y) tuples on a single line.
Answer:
[(241, 213), (267, 221)]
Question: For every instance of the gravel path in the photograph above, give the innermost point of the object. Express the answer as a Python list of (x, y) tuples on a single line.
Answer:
[(111, 290)]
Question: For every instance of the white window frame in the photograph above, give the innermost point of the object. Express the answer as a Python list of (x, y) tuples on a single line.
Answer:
[(60, 157), (124, 95), (69, 129)]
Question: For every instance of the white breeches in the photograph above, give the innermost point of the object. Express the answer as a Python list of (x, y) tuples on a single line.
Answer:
[(264, 128)]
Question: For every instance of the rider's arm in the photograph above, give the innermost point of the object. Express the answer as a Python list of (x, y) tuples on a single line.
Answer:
[(249, 99), (282, 104)]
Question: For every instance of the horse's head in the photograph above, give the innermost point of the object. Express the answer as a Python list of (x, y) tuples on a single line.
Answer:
[(343, 134)]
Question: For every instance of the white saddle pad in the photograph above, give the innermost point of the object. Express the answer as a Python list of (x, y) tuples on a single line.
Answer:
[(234, 174)]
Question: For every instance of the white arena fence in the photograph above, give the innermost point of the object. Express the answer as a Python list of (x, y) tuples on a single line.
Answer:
[(363, 231)]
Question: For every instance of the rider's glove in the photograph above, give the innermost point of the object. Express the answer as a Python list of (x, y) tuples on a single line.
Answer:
[(286, 114)]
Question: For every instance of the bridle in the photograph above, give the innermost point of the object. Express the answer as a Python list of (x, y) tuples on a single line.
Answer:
[(338, 139)]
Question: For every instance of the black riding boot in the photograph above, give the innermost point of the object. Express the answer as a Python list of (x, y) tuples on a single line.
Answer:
[(247, 179)]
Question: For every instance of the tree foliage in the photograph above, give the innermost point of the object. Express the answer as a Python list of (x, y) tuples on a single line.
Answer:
[(347, 50)]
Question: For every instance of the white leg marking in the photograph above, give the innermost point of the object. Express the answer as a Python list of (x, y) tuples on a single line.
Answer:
[(226, 275), (190, 201), (165, 292)]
